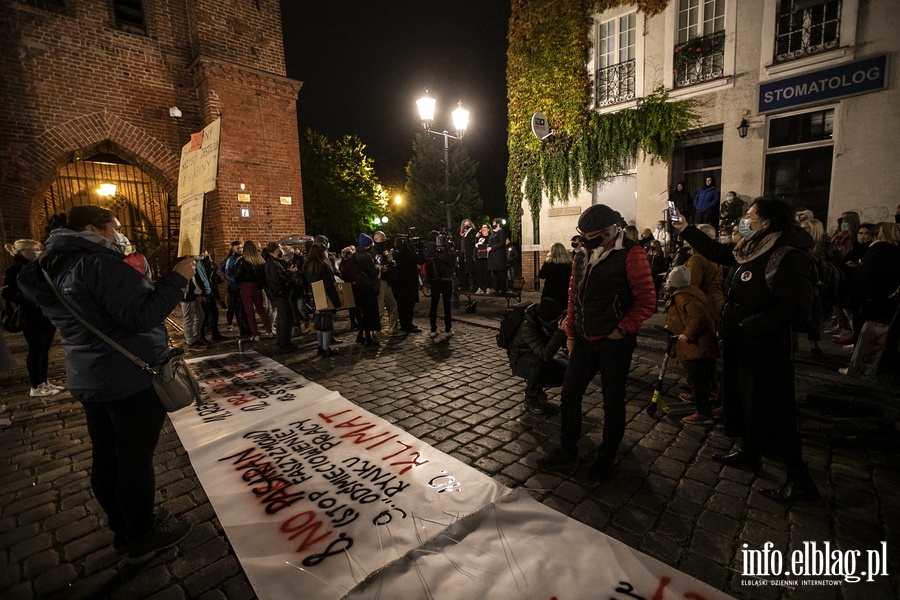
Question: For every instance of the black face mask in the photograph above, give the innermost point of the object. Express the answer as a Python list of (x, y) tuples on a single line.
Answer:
[(600, 240), (592, 243), (575, 244), (379, 247)]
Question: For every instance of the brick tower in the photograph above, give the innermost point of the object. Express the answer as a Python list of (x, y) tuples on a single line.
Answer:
[(87, 95)]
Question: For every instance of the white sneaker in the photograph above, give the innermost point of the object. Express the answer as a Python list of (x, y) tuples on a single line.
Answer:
[(434, 334), (844, 370), (448, 334), (480, 292), (42, 391), (255, 338), (58, 388)]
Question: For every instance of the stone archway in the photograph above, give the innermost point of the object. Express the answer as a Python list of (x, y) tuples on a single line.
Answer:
[(30, 174)]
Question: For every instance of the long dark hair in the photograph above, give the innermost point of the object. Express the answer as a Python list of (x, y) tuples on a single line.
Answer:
[(316, 261)]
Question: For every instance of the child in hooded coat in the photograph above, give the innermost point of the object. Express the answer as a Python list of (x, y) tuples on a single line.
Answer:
[(689, 318)]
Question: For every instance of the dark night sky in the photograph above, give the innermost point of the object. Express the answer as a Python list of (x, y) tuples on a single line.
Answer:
[(363, 64)]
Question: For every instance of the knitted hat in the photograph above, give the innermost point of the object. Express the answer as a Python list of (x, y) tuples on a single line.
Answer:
[(365, 240), (679, 277), (549, 310), (597, 217)]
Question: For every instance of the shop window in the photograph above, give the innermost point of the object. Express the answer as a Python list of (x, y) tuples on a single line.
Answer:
[(799, 160), (800, 129)]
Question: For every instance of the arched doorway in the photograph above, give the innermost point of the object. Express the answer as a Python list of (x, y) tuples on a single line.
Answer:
[(148, 215)]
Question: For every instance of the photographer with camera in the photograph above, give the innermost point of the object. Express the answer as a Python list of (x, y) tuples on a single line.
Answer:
[(439, 264)]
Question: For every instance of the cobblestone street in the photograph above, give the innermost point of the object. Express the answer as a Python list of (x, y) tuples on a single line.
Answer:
[(666, 497)]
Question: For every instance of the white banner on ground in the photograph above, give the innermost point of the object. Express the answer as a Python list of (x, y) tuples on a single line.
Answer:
[(323, 500), (314, 492), (517, 548)]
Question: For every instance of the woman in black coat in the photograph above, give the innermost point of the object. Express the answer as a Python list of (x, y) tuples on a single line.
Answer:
[(762, 304), (405, 286), (37, 329), (556, 273)]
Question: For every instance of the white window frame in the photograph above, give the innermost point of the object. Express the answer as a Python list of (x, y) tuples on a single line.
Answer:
[(699, 23), (615, 15), (671, 16), (845, 51)]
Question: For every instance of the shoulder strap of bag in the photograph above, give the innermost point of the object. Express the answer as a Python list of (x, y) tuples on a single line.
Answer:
[(134, 359)]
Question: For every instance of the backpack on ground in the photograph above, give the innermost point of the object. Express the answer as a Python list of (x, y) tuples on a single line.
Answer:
[(509, 325)]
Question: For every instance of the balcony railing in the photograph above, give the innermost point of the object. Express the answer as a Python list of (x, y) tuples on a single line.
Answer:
[(699, 59), (805, 27), (615, 83)]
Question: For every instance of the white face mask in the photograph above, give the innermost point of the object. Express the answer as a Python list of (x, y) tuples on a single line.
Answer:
[(729, 198)]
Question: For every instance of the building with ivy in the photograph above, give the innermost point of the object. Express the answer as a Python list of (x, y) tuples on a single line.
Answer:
[(793, 98)]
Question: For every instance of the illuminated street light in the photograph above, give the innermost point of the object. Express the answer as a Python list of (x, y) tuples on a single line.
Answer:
[(460, 118)]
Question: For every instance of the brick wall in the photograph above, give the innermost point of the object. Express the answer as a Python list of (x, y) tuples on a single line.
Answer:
[(76, 81), (529, 271)]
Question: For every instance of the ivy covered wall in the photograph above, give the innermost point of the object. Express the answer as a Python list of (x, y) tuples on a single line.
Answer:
[(549, 46)]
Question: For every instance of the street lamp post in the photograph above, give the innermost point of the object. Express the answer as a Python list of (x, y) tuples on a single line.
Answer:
[(460, 117)]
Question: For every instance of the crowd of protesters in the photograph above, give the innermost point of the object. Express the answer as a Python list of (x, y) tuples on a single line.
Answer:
[(724, 301)]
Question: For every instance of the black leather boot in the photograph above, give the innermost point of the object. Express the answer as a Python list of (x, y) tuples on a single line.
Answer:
[(748, 461), (793, 491)]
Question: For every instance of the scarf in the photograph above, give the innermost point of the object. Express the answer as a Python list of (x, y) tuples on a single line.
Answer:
[(750, 249)]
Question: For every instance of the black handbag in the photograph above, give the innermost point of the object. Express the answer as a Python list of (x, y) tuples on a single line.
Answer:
[(171, 378), (11, 318)]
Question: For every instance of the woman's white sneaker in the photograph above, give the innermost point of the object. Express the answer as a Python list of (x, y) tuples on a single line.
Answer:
[(42, 391)]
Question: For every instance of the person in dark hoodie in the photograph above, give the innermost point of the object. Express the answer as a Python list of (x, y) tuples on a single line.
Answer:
[(439, 264), (532, 351), (706, 203), (683, 202), (363, 275), (762, 304), (124, 416), (278, 286)]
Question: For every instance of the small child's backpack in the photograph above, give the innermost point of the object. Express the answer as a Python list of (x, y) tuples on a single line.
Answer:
[(510, 323)]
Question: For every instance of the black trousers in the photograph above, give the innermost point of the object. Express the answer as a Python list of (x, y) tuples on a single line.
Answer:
[(539, 374), (38, 333), (124, 434), (236, 311), (441, 289), (612, 358), (284, 320)]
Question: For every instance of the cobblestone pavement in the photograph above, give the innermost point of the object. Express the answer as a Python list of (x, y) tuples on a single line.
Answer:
[(667, 497)]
